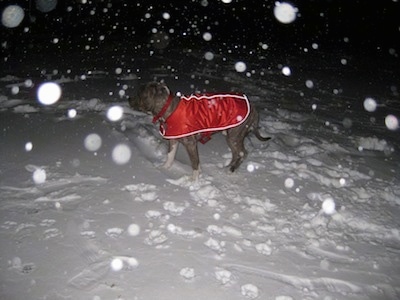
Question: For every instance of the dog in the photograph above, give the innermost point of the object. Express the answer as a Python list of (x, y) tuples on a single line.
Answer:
[(189, 119)]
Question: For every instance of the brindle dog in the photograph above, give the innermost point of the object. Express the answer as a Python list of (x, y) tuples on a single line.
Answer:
[(151, 99)]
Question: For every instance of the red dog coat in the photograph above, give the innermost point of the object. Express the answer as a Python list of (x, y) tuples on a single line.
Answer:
[(205, 114)]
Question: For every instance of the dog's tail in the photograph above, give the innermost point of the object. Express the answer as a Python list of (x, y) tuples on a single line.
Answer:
[(259, 136)]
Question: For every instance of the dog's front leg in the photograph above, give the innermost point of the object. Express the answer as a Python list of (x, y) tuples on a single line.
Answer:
[(190, 144), (173, 147)]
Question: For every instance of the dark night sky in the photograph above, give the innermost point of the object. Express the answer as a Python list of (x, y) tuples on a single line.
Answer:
[(369, 25)]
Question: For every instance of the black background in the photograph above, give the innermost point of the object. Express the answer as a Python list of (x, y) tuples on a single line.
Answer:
[(242, 25)]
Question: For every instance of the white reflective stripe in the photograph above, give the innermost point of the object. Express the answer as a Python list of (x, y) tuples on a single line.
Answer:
[(201, 97)]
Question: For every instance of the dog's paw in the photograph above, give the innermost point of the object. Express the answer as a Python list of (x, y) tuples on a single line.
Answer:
[(195, 175), (231, 169), (166, 166), (161, 165)]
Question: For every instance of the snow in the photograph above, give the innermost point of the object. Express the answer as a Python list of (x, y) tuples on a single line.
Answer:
[(86, 211), (93, 142), (328, 206), (209, 55), (286, 71), (309, 84), (289, 183), (207, 36), (28, 146), (49, 93), (240, 66), (392, 122), (39, 176), (72, 113), (249, 290), (370, 104), (187, 273), (12, 16), (46, 6), (115, 113), (121, 154), (285, 12), (166, 16)]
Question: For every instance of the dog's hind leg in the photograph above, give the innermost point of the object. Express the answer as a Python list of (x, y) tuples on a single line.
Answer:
[(173, 147), (236, 144)]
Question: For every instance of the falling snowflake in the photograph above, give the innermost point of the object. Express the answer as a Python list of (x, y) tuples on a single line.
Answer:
[(12, 16), (328, 206), (370, 104), (39, 176), (72, 113), (49, 93), (392, 122), (166, 16), (289, 183), (286, 71), (207, 36), (121, 154), (209, 56), (115, 113), (28, 146), (240, 67), (285, 12), (92, 142), (117, 264)]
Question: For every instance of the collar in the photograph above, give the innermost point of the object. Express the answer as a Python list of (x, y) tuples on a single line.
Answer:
[(163, 109)]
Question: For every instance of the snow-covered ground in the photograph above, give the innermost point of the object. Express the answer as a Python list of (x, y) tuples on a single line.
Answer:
[(311, 214)]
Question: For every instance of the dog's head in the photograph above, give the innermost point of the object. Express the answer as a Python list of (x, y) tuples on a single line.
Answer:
[(150, 97)]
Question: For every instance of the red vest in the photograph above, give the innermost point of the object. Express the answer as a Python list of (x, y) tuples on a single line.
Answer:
[(205, 114)]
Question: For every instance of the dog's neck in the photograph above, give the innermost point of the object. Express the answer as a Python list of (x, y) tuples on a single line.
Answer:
[(164, 109), (168, 107)]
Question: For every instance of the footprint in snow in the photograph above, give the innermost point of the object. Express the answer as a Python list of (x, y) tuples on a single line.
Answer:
[(17, 265), (142, 192), (88, 234), (216, 245), (208, 195), (47, 222), (187, 273), (51, 233), (250, 291), (223, 276), (156, 238), (174, 209), (191, 234), (115, 232)]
